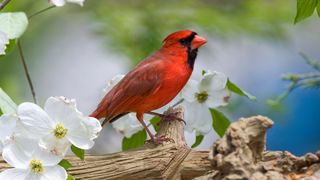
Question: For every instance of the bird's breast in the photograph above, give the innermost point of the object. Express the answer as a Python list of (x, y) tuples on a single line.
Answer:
[(174, 79)]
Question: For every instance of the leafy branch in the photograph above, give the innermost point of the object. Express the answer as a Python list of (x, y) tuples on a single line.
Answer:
[(304, 80)]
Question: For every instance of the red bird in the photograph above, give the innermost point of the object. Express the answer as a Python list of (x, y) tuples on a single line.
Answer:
[(154, 82)]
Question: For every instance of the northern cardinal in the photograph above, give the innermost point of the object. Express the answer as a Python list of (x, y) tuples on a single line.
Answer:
[(154, 82)]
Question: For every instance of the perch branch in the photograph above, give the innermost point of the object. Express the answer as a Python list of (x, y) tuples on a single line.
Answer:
[(240, 154)]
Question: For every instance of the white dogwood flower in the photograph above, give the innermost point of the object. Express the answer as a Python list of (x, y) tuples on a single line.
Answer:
[(4, 40), (11, 128), (7, 126), (210, 92), (33, 163), (59, 125), (127, 125), (63, 2)]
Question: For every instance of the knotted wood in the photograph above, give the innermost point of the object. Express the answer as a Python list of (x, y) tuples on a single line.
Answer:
[(240, 154)]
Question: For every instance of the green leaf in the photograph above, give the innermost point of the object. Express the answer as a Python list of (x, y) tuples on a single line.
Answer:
[(13, 24), (220, 122), (7, 106), (199, 139), (305, 8), (154, 121), (70, 177), (10, 47), (136, 140), (78, 152), (65, 164), (234, 88), (203, 72), (318, 9)]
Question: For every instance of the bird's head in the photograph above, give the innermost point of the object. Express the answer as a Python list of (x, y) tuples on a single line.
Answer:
[(185, 38)]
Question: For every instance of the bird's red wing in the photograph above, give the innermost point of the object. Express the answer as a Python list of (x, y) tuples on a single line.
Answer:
[(132, 89)]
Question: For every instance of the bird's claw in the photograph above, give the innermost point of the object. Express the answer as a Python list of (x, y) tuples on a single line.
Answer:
[(171, 117), (159, 140)]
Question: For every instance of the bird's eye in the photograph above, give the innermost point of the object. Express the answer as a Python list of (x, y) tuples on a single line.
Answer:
[(184, 41)]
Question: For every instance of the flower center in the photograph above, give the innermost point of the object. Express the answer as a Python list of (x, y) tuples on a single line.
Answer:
[(60, 131), (202, 96), (36, 166)]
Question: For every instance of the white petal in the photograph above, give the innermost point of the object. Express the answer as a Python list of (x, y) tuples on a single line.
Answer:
[(80, 2), (218, 98), (58, 147), (80, 137), (15, 156), (7, 125), (213, 81), (127, 125), (4, 40), (54, 173), (16, 174), (113, 82), (36, 121), (58, 2), (198, 118), (21, 130), (46, 157), (61, 109), (93, 126), (190, 90)]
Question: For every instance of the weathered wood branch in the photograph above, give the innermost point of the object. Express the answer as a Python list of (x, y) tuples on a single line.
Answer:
[(240, 154)]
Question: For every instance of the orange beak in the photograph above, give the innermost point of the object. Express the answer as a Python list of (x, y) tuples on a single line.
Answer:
[(197, 42)]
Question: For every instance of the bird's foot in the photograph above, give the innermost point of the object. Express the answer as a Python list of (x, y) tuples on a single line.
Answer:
[(172, 117), (168, 117), (159, 140)]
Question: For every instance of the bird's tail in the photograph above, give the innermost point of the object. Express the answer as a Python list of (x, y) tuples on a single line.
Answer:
[(98, 113)]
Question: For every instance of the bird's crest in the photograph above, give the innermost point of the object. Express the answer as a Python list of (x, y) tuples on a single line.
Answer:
[(176, 36)]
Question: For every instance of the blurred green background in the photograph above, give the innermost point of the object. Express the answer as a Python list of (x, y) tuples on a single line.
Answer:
[(73, 51)]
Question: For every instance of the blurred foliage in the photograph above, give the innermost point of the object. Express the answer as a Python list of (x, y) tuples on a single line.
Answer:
[(136, 28), (304, 80)]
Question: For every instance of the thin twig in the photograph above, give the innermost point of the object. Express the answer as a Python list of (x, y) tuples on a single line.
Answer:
[(41, 11), (177, 103), (3, 4), (26, 72)]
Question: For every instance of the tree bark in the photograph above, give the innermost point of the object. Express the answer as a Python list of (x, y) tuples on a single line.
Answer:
[(240, 154)]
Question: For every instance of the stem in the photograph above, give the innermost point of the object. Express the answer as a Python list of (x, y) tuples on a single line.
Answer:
[(177, 103), (3, 4), (41, 11), (26, 71)]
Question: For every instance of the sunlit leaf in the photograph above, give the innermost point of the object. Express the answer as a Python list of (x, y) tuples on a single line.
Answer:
[(199, 139), (78, 152), (7, 106), (65, 164), (154, 121), (220, 122), (136, 140), (13, 24), (305, 8), (70, 177), (235, 89), (318, 9)]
